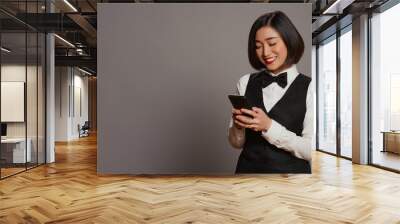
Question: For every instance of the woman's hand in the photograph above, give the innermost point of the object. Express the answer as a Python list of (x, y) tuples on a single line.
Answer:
[(235, 113), (259, 121)]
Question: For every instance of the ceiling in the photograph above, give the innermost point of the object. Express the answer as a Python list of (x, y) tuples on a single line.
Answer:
[(76, 22)]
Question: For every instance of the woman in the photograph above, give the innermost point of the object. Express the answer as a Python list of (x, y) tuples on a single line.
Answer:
[(276, 134)]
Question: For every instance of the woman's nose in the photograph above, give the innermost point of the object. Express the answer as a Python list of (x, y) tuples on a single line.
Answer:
[(266, 51)]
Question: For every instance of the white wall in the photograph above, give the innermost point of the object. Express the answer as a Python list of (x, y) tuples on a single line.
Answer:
[(80, 110), (61, 103), (71, 93), (13, 72)]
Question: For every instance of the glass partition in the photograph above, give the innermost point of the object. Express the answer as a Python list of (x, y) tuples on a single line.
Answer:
[(32, 94), (41, 91), (14, 153), (22, 88)]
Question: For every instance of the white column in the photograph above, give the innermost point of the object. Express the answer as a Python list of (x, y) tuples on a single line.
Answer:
[(50, 92), (360, 90)]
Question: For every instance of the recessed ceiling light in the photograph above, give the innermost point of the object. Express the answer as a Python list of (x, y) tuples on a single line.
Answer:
[(5, 50), (70, 5), (64, 40), (84, 71), (337, 7)]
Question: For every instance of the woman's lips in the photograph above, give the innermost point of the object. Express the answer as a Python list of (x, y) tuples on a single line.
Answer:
[(269, 60)]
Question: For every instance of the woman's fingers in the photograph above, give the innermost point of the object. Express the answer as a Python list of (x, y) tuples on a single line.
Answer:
[(256, 109), (235, 111), (241, 124), (244, 119), (248, 118), (248, 112), (246, 122), (254, 127)]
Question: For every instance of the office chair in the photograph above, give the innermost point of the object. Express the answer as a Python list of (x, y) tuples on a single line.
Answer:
[(84, 130)]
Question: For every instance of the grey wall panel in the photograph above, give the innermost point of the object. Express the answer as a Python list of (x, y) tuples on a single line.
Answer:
[(164, 73)]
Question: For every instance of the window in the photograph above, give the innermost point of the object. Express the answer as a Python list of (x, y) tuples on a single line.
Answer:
[(385, 89), (346, 92), (327, 96)]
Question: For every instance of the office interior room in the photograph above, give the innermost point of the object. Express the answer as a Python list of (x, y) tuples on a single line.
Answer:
[(22, 99), (49, 92), (29, 59)]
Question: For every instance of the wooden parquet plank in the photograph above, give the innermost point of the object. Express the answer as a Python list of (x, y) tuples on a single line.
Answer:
[(70, 191)]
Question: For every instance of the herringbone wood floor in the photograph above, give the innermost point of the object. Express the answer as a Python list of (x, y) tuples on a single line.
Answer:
[(69, 191)]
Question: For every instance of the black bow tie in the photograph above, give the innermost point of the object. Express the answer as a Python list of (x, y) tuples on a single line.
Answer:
[(280, 79)]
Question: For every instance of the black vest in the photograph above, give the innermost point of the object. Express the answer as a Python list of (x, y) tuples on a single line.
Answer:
[(260, 156)]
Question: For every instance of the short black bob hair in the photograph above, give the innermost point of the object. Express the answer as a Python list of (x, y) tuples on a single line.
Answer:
[(288, 32)]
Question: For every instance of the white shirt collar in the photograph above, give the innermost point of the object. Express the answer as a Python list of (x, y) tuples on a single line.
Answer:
[(291, 71)]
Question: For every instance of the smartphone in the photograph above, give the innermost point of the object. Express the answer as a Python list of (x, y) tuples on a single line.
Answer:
[(239, 102)]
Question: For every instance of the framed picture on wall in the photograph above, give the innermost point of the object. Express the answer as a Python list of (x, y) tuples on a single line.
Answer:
[(12, 101)]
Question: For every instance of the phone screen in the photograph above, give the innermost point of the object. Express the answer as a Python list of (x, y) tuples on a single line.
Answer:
[(239, 102)]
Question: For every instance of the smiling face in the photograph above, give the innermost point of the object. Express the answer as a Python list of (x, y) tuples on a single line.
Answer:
[(270, 49)]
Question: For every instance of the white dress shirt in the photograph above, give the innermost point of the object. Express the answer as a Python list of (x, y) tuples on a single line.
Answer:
[(278, 135)]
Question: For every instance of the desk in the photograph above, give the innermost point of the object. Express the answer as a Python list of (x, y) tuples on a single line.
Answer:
[(391, 141), (15, 148)]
